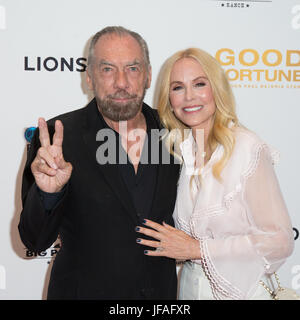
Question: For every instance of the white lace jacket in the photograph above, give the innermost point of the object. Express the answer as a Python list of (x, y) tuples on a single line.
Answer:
[(242, 224)]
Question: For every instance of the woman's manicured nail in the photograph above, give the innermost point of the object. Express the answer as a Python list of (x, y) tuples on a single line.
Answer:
[(137, 229), (138, 240), (146, 251), (144, 221)]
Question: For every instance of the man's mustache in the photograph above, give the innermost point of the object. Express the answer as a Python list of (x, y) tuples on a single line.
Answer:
[(122, 94)]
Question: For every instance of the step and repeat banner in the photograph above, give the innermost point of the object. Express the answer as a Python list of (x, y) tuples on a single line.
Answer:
[(42, 74)]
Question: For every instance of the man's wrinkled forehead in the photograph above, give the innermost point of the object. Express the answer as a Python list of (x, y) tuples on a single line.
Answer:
[(115, 45)]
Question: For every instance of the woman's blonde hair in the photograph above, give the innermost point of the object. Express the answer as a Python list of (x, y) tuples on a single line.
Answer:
[(225, 118)]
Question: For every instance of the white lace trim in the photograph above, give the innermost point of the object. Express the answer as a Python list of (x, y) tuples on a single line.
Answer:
[(182, 225), (274, 154), (229, 197), (220, 287)]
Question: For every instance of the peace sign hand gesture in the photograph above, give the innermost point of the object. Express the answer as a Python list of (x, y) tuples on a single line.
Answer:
[(50, 170)]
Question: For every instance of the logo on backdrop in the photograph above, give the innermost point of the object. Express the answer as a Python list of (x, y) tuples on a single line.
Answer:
[(256, 68), (51, 64), (28, 134), (47, 255), (296, 17), (2, 18), (296, 232), (239, 3)]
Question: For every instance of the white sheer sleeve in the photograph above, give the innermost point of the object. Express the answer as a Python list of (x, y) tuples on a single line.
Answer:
[(272, 235), (236, 263)]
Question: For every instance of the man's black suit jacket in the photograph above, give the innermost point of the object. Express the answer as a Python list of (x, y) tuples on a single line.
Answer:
[(96, 220)]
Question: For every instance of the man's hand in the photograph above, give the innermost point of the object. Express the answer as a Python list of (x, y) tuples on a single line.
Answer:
[(50, 170)]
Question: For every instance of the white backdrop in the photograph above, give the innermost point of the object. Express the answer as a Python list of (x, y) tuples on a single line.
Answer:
[(35, 35)]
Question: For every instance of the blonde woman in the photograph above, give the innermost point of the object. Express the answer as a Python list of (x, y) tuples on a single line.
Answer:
[(232, 226)]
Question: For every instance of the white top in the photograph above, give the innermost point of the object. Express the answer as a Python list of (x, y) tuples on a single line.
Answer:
[(242, 224)]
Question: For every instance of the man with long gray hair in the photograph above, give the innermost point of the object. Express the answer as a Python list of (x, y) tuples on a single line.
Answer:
[(76, 184)]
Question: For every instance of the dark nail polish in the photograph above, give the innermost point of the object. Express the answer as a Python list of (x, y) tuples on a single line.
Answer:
[(146, 252), (138, 240), (137, 229), (144, 221)]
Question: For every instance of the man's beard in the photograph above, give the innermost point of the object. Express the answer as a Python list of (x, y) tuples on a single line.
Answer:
[(120, 111)]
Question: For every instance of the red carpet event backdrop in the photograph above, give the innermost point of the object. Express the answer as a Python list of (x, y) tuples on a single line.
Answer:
[(43, 61)]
